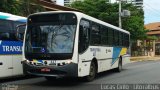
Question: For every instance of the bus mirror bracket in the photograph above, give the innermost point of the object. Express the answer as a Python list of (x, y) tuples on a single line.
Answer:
[(18, 33)]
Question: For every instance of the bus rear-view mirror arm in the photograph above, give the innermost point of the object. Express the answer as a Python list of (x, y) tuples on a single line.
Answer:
[(18, 33)]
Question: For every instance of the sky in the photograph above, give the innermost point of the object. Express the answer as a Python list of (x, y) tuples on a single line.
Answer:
[(151, 11)]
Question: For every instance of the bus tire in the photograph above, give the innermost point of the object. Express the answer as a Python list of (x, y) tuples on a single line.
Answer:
[(119, 68), (92, 72), (48, 78)]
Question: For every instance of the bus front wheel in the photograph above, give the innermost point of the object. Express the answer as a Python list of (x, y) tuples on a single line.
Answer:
[(92, 73)]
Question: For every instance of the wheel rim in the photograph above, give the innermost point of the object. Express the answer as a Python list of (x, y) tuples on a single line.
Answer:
[(92, 72)]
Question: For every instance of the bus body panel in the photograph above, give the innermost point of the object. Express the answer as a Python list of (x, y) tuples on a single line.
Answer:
[(104, 56), (11, 58), (17, 65), (10, 47), (107, 56), (6, 65)]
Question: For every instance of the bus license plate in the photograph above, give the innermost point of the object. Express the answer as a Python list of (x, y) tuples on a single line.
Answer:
[(45, 70)]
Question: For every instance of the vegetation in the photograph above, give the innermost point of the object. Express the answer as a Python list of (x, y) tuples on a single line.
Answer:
[(20, 7), (107, 12), (10, 6), (29, 6)]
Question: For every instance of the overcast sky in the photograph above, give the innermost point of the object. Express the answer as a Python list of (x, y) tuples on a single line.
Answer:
[(152, 11)]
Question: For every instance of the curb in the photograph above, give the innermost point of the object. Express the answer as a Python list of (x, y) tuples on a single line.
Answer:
[(144, 59)]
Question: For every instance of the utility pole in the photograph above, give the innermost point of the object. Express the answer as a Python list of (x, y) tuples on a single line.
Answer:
[(120, 14)]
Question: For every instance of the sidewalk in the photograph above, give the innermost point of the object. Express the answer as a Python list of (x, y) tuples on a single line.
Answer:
[(144, 58)]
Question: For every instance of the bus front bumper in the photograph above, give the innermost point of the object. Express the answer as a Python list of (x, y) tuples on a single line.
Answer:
[(69, 70)]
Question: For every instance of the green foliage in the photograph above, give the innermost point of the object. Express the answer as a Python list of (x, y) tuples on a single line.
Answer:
[(29, 6), (20, 7), (152, 38), (107, 12), (9, 6)]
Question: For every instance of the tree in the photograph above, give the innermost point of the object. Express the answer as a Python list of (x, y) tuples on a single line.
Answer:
[(28, 7), (108, 12), (20, 7), (9, 6)]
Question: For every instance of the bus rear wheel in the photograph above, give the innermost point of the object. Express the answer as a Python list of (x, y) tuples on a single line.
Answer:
[(92, 73), (119, 68)]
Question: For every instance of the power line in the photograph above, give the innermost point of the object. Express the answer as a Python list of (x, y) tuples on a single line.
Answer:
[(153, 9)]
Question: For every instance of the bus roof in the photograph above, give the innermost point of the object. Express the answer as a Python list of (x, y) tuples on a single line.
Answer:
[(82, 15), (8, 16)]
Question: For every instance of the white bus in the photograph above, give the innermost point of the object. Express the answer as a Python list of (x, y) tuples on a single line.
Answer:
[(10, 47), (67, 43)]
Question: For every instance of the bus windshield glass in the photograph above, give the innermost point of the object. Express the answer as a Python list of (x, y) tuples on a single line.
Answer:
[(50, 35)]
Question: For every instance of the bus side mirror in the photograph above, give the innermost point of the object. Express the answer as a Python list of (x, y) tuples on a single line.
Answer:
[(20, 29)]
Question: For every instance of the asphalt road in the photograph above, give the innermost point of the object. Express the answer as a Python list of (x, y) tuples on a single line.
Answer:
[(144, 72)]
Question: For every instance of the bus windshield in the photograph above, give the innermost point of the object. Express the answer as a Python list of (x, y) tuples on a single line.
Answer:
[(50, 35)]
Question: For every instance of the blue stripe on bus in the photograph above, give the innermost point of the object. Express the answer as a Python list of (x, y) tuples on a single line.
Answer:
[(41, 61), (116, 53), (11, 47)]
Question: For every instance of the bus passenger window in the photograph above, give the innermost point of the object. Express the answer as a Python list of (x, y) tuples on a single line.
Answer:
[(95, 36)]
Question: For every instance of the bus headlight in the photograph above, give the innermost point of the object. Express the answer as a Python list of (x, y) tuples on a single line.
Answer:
[(68, 62)]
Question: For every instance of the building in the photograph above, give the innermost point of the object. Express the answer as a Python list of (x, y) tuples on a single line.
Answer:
[(138, 3), (58, 2), (68, 2), (154, 30), (64, 2), (50, 5)]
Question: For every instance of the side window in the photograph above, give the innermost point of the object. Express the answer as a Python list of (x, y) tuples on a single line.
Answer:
[(95, 34), (110, 36), (116, 38), (126, 40), (123, 39), (104, 35), (120, 39), (84, 30), (5, 29)]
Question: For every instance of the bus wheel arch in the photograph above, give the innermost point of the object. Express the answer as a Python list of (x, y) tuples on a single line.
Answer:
[(93, 70)]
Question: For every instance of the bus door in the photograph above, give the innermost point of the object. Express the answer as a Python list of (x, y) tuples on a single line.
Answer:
[(83, 37), (83, 46)]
